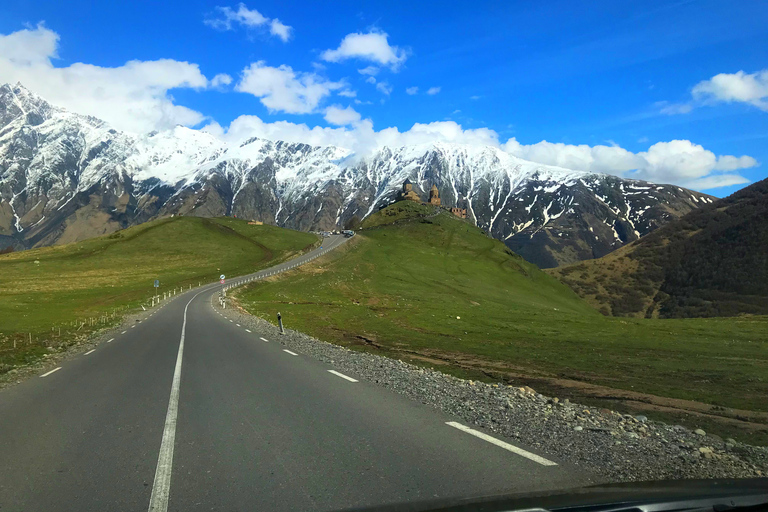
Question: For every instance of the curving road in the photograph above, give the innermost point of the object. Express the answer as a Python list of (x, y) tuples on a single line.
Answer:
[(186, 410)]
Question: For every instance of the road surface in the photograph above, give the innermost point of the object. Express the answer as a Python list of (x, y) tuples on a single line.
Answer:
[(224, 418)]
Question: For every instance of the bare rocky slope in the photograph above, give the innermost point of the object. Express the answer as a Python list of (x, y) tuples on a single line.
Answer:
[(65, 177)]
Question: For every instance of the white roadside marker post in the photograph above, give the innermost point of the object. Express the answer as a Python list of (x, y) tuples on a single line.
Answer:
[(280, 323)]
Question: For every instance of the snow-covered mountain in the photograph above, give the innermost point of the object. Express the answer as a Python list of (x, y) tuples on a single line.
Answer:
[(65, 177)]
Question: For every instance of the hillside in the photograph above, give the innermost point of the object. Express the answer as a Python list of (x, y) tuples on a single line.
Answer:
[(437, 291), (62, 287), (711, 262), (66, 177)]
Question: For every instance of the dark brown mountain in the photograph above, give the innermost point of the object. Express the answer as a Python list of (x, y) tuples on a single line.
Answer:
[(710, 262)]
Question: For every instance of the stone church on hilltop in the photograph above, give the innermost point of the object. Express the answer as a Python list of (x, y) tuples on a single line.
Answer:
[(407, 194)]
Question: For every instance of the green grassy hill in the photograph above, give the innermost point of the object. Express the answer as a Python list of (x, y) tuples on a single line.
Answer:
[(710, 262), (438, 291), (64, 286)]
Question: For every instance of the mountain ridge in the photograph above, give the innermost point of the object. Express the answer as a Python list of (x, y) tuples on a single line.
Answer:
[(64, 176)]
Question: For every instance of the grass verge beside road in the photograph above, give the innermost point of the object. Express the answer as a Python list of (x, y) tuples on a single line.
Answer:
[(438, 291), (52, 296)]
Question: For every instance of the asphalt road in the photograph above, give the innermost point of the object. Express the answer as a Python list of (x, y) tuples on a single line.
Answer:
[(187, 410)]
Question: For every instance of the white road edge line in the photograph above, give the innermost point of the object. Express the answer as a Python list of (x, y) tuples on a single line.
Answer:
[(90, 352), (292, 353), (50, 372), (264, 339), (161, 488), (502, 444), (350, 379), (110, 340)]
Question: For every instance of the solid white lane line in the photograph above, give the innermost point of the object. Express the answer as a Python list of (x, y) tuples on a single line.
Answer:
[(502, 444), (247, 330), (350, 379), (50, 372), (292, 353), (264, 339), (90, 352), (110, 340), (161, 488)]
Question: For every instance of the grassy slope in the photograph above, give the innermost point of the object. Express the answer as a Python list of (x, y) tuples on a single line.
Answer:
[(404, 287), (52, 286)]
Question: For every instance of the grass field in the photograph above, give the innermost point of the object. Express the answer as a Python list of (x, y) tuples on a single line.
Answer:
[(441, 290), (62, 287)]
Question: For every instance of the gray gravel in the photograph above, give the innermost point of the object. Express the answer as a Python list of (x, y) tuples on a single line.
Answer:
[(615, 446)]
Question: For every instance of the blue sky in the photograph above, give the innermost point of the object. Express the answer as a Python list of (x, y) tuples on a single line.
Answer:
[(601, 82)]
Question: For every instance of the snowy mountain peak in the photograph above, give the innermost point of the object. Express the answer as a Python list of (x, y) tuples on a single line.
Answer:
[(64, 176)]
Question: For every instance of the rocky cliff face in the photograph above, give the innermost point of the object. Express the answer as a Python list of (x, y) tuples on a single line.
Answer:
[(65, 177)]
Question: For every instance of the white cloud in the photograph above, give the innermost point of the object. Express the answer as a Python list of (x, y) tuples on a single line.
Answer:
[(133, 97), (370, 70), (250, 18), (221, 79), (282, 89), (384, 88), (412, 90), (433, 90), (347, 93), (370, 80), (678, 161), (735, 87), (372, 46), (339, 116), (475, 98), (457, 111), (277, 28)]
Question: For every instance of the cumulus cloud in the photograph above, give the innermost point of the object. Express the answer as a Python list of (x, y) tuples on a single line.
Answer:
[(339, 116), (735, 87), (678, 161), (133, 97), (282, 89), (412, 90), (227, 18), (433, 90), (348, 93), (373, 47), (220, 80)]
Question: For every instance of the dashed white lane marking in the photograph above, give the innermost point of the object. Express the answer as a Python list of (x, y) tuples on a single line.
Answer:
[(502, 444), (110, 340), (133, 326), (247, 330), (230, 320), (237, 325), (161, 488), (123, 332), (350, 379), (90, 352), (50, 372), (264, 339), (292, 353)]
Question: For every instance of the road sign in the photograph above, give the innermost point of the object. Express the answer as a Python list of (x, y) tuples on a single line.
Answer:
[(221, 276), (222, 281), (157, 283)]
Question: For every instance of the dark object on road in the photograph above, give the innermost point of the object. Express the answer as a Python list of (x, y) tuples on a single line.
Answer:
[(749, 494)]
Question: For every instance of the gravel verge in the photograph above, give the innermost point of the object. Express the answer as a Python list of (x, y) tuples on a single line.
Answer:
[(616, 447)]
